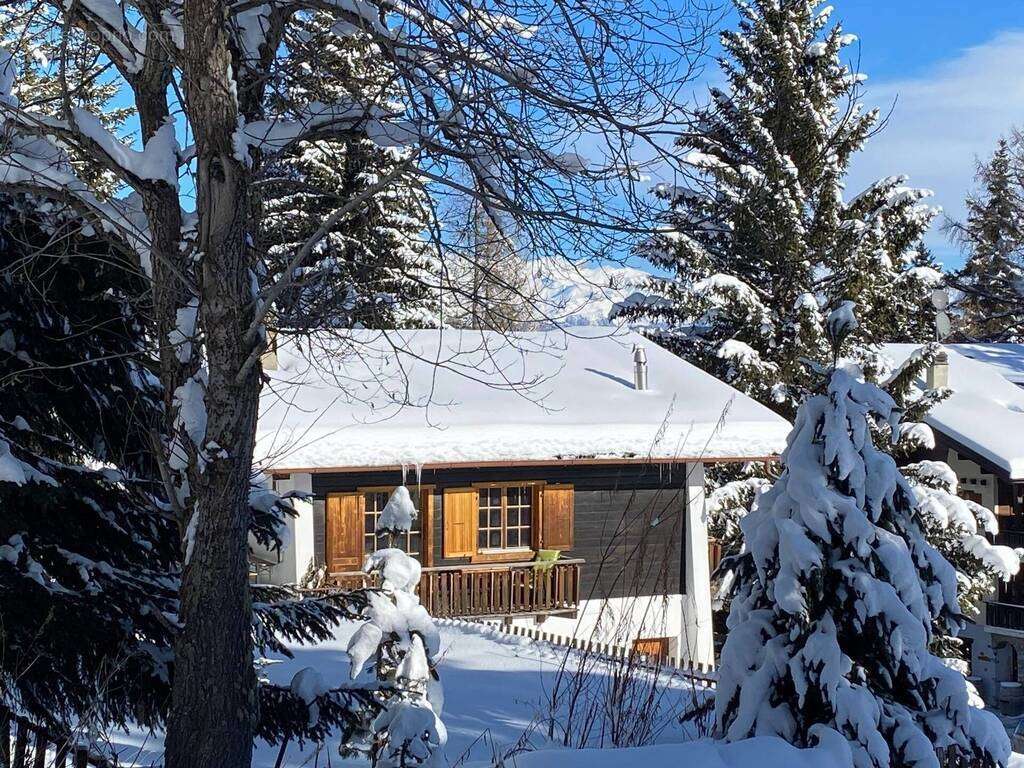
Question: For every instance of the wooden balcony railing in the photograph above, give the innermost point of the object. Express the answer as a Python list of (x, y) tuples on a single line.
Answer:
[(490, 590), (24, 744), (1004, 615)]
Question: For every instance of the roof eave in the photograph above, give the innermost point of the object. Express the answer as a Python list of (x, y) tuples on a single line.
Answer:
[(524, 463)]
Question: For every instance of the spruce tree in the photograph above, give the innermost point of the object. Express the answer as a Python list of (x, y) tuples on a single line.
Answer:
[(376, 267), (992, 304), (837, 594), (90, 553), (87, 552), (763, 243)]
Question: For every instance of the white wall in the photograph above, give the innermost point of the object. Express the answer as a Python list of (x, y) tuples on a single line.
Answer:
[(297, 553), (973, 479), (618, 620), (697, 638)]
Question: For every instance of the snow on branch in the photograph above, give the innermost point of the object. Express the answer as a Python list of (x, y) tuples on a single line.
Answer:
[(158, 161), (107, 17)]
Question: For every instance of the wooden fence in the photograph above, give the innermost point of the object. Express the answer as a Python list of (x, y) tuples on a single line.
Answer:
[(705, 674), (23, 744)]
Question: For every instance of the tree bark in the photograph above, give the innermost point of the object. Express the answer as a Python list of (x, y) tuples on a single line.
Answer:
[(214, 701)]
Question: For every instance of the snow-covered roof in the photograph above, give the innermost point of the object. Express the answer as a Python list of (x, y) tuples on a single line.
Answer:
[(1007, 358), (985, 413), (472, 397)]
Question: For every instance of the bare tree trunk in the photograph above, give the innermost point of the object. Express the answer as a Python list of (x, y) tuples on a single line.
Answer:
[(214, 704)]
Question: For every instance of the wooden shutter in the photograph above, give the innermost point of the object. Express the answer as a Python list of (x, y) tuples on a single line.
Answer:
[(344, 539), (460, 513), (557, 517)]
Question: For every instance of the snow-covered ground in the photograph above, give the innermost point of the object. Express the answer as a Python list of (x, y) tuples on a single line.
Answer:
[(495, 688)]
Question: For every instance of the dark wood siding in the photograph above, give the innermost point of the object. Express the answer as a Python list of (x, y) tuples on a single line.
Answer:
[(629, 518)]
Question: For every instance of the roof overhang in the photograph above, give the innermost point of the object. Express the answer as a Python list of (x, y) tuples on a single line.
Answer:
[(641, 460)]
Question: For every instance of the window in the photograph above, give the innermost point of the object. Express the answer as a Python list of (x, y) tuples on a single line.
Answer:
[(505, 517), (373, 505)]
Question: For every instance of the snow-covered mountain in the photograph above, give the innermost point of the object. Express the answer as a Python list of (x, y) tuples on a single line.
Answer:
[(574, 295)]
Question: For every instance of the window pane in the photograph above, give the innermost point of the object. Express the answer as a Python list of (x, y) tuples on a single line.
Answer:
[(483, 518), (482, 539), (495, 539), (370, 520), (524, 517), (495, 518), (414, 543), (495, 497), (513, 537)]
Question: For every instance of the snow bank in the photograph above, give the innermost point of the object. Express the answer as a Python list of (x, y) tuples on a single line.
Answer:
[(761, 752)]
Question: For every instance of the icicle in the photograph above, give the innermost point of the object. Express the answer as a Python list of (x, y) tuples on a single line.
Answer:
[(419, 473)]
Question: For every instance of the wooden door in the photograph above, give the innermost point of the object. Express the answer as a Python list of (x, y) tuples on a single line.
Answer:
[(344, 539), (460, 515), (652, 647)]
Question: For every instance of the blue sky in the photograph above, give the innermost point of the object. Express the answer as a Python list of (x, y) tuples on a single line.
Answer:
[(953, 72)]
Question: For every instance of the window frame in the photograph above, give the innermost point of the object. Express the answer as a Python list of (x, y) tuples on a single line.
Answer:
[(529, 533)]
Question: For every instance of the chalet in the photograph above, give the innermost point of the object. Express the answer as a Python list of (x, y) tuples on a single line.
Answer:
[(979, 432), (559, 477)]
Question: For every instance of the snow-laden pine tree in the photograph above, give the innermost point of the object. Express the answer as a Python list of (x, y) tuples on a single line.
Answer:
[(399, 648), (837, 593), (992, 237), (376, 266), (90, 558), (762, 242), (959, 529), (87, 554)]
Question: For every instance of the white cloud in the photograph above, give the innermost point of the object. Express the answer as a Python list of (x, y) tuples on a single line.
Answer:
[(943, 120)]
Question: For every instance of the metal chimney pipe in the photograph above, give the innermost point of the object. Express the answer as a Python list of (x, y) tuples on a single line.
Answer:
[(937, 375), (639, 368)]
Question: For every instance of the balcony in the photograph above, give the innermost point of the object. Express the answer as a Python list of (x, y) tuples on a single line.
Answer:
[(1011, 531), (491, 590), (1004, 616)]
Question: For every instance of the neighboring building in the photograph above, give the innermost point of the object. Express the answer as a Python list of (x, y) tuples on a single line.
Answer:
[(979, 432), (1008, 359), (546, 442)]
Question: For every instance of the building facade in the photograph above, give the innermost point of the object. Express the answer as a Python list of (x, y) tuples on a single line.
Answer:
[(583, 513)]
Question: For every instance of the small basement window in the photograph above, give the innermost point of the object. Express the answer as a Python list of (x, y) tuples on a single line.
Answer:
[(373, 505), (505, 517)]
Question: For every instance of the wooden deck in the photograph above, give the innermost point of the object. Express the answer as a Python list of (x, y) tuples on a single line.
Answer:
[(491, 590)]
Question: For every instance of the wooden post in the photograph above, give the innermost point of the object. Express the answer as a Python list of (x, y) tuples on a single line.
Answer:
[(39, 759), (5, 737), (61, 758), (20, 746)]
